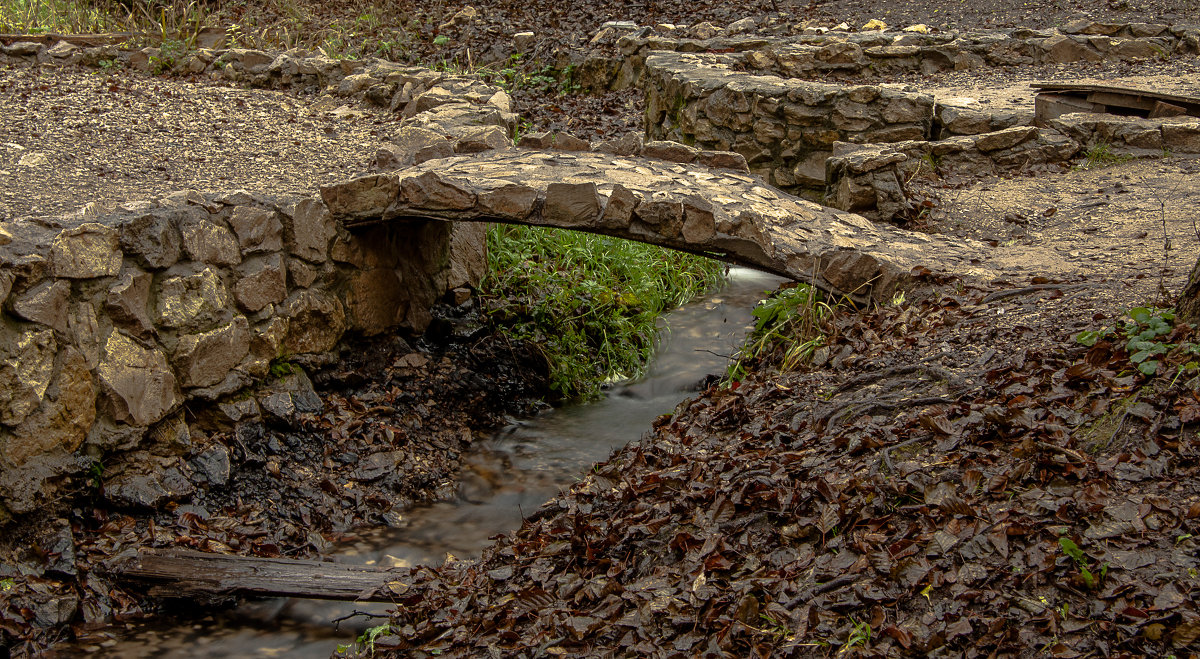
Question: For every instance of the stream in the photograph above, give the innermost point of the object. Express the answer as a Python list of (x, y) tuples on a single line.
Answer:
[(505, 478)]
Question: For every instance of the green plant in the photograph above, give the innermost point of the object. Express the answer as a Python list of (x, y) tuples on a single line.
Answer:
[(1143, 334), (1081, 562), (790, 322), (168, 56), (441, 40), (6, 584), (860, 635), (281, 368), (364, 645), (589, 302), (1101, 154), (96, 474)]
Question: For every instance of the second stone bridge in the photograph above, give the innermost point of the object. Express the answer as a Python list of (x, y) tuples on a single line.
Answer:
[(722, 213)]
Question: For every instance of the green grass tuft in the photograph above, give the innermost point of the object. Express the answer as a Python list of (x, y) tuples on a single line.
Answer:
[(590, 302)]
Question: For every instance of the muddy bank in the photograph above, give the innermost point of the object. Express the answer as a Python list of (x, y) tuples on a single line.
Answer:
[(288, 485)]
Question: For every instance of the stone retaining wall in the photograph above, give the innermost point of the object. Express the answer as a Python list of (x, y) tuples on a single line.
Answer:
[(784, 128), (407, 90), (114, 324), (115, 321), (868, 179), (825, 54)]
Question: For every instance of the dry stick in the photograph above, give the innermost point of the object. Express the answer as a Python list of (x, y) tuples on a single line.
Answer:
[(1070, 453), (874, 404), (888, 460), (897, 370), (998, 295)]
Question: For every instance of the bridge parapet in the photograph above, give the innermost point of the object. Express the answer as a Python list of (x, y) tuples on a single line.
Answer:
[(725, 214)]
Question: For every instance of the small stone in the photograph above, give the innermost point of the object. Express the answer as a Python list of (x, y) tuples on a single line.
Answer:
[(523, 41), (34, 159), (213, 465)]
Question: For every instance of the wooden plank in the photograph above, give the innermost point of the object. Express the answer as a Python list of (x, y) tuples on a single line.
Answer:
[(1049, 106), (1123, 100), (1192, 103), (186, 573), (76, 39)]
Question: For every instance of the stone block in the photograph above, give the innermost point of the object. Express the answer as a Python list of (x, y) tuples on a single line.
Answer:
[(263, 281), (62, 421), (619, 208), (429, 191), (316, 320), (45, 303), (670, 151), (191, 301), (88, 251), (508, 202), (571, 204), (482, 138), (362, 197), (258, 229), (128, 301), (210, 242), (307, 230), (26, 367), (138, 384), (1005, 139), (152, 240), (204, 359), (1182, 137)]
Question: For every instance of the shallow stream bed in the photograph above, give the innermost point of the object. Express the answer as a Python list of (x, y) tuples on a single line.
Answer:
[(507, 477)]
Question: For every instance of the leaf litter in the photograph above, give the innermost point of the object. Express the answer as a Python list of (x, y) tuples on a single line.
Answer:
[(935, 487)]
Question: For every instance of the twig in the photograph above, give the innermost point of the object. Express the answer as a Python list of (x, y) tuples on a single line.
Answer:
[(338, 621), (1070, 453), (905, 369), (999, 295), (887, 460)]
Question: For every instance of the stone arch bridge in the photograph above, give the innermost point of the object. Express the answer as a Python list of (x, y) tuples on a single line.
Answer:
[(722, 213)]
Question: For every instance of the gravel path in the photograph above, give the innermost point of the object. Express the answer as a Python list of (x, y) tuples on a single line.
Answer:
[(110, 138)]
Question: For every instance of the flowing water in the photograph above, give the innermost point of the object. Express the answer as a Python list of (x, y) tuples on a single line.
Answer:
[(506, 477)]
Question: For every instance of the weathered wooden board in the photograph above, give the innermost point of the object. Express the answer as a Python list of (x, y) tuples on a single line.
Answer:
[(1054, 99), (186, 573), (76, 39)]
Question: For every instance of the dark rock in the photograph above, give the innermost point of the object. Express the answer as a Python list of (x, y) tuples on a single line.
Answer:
[(212, 465)]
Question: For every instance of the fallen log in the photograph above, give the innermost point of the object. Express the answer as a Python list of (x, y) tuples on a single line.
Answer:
[(187, 573)]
